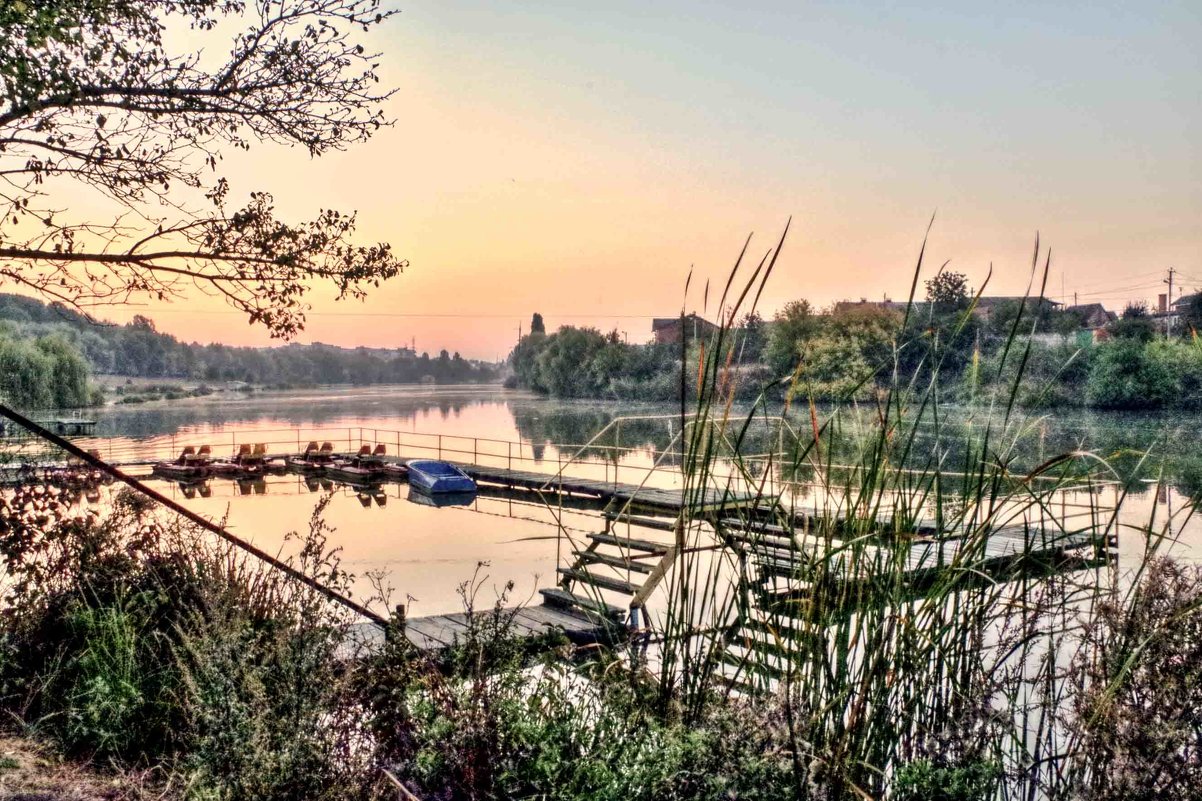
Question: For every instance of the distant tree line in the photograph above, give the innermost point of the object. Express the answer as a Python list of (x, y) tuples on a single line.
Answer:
[(852, 349), (138, 349)]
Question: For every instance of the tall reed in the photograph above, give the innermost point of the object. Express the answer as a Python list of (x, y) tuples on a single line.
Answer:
[(820, 597)]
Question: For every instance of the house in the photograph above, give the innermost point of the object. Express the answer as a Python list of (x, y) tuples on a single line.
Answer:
[(983, 310), (986, 306), (886, 304), (1093, 315), (667, 330)]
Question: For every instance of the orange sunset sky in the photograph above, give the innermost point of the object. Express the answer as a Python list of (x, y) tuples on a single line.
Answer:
[(577, 158)]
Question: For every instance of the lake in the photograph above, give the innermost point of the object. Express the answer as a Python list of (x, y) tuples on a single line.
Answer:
[(425, 553)]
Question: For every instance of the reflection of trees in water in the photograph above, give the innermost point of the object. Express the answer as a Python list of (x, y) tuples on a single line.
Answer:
[(274, 410), (1122, 440), (572, 426), (569, 426)]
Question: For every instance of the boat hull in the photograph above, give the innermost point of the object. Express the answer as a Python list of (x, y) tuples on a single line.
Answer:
[(180, 472), (301, 465), (423, 498), (436, 478), (354, 475)]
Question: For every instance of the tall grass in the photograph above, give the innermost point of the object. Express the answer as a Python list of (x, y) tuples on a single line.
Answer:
[(964, 671), (842, 626)]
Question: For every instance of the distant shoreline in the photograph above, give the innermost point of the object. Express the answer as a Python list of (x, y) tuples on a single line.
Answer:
[(136, 390)]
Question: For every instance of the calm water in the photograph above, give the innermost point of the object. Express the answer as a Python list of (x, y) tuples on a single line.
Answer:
[(425, 553)]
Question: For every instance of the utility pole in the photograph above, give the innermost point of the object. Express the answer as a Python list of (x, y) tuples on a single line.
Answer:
[(1169, 307)]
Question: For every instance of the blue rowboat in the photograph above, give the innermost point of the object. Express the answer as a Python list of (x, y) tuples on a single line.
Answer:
[(442, 499), (433, 477)]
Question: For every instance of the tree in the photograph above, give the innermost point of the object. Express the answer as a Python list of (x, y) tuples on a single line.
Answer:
[(564, 365), (752, 338), (791, 327), (1136, 323), (948, 291), (536, 324), (98, 96), (1127, 374)]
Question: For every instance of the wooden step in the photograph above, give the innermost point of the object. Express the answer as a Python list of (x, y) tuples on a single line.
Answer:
[(779, 626), (645, 522), (750, 666), (629, 543), (779, 567), (775, 536), (618, 562), (595, 580), (756, 542), (768, 650), (562, 599)]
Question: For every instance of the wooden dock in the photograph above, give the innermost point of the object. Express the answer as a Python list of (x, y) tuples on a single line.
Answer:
[(697, 500), (536, 626), (63, 426)]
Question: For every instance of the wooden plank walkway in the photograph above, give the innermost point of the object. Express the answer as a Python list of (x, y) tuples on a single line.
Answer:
[(777, 553), (640, 497), (533, 624)]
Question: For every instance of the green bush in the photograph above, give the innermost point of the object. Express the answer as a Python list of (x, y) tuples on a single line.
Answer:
[(1129, 374), (1053, 374), (923, 780), (107, 689), (145, 644)]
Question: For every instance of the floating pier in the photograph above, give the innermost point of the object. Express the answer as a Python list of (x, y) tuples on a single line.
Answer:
[(558, 617), (637, 496), (642, 533)]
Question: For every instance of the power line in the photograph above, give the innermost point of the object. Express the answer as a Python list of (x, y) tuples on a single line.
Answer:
[(423, 315), (1111, 282)]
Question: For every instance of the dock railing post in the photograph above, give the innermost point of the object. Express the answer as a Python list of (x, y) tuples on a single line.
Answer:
[(617, 451)]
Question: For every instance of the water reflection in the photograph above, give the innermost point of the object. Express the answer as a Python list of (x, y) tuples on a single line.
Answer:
[(428, 550)]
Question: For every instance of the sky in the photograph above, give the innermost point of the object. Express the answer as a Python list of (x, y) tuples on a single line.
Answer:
[(579, 158)]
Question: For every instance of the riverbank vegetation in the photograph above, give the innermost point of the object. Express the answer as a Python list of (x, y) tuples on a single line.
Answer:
[(138, 349), (44, 372), (135, 642), (184, 670), (852, 351)]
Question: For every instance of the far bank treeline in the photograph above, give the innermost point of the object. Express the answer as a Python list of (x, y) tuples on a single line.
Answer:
[(847, 351), (48, 352)]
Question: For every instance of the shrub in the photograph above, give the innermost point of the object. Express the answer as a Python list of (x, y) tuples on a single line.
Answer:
[(1127, 374), (923, 780), (1137, 718), (138, 640)]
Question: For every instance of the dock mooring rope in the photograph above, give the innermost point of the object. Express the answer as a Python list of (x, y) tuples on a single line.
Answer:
[(204, 523)]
